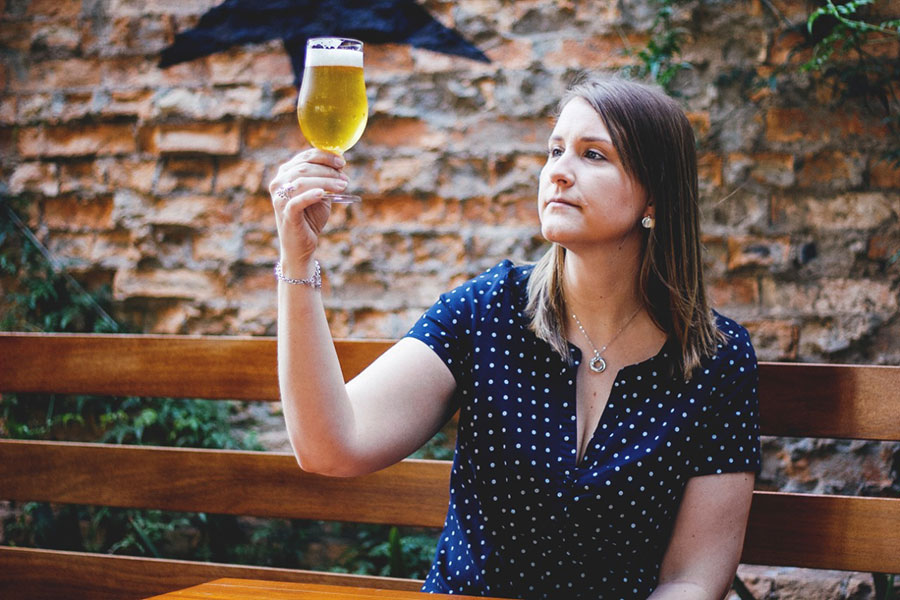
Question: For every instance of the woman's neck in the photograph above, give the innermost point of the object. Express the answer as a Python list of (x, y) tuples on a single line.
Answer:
[(602, 292)]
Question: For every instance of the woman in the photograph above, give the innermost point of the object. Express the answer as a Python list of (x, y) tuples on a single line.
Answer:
[(608, 434)]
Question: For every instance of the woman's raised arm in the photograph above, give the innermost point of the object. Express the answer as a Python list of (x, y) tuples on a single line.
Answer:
[(388, 410)]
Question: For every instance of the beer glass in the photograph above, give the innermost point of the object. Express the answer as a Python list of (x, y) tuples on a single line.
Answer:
[(332, 106)]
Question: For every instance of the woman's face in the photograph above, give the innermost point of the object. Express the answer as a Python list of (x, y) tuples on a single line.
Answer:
[(585, 194)]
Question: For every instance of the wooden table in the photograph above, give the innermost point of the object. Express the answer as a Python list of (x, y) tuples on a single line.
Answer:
[(256, 589)]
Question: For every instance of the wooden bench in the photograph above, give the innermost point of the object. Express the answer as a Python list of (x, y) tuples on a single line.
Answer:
[(817, 531)]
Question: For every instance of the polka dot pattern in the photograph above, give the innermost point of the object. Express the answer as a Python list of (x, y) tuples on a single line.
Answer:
[(525, 520)]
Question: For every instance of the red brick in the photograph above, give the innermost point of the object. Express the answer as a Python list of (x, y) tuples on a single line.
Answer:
[(71, 213), (240, 173), (774, 340), (700, 122), (73, 140), (519, 212), (758, 252), (338, 322), (437, 251), (480, 211), (524, 135), (832, 168), (33, 108), (390, 250), (189, 284), (606, 51), (56, 37), (770, 168), (884, 174), (39, 177), (785, 49), (61, 74), (56, 9), (185, 174), (388, 59), (794, 125), (285, 102), (883, 246), (170, 319), (238, 65), (282, 133), (77, 106), (80, 176), (147, 35), (135, 72), (257, 208), (709, 168), (733, 291), (218, 245), (4, 75), (192, 211), (861, 210), (400, 172), (395, 131), (131, 103), (848, 124), (131, 174), (261, 246), (137, 8), (206, 138), (16, 35), (512, 53), (398, 210)]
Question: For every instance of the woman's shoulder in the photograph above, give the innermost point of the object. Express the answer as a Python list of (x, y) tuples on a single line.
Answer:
[(735, 349), (504, 274)]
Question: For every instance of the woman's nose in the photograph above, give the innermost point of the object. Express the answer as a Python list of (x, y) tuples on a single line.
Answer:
[(560, 174)]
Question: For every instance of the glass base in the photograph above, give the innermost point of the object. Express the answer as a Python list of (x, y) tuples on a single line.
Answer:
[(342, 198)]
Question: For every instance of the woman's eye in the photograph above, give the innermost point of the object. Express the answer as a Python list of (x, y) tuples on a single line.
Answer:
[(593, 155), (555, 152)]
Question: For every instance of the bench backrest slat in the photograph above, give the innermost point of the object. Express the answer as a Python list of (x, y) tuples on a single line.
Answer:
[(826, 532), (413, 492), (803, 400), (234, 368), (848, 533)]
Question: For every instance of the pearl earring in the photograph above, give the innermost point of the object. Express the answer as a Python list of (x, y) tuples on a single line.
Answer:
[(648, 222)]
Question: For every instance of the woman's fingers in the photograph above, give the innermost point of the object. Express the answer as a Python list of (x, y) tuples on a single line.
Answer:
[(302, 173), (317, 157)]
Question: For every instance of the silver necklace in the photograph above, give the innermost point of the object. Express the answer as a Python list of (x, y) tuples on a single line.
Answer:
[(597, 364)]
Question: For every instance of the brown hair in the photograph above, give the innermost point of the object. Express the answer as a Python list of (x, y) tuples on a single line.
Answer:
[(655, 142)]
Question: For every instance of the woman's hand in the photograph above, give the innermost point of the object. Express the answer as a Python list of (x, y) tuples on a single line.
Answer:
[(300, 210)]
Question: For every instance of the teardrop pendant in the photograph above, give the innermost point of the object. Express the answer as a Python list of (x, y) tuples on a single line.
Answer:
[(597, 364)]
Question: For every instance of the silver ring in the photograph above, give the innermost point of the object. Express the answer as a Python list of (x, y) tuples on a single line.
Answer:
[(284, 192)]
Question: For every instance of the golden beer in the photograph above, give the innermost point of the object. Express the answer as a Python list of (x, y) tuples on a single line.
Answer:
[(332, 107)]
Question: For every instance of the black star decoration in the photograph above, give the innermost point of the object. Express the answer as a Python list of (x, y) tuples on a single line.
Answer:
[(238, 22)]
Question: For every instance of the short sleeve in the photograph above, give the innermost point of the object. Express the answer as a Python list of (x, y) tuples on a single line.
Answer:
[(443, 329), (451, 325), (727, 436)]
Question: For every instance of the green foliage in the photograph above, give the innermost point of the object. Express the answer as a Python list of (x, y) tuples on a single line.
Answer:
[(659, 60), (843, 40), (44, 297)]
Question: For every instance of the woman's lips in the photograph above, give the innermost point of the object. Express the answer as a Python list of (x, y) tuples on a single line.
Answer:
[(562, 201)]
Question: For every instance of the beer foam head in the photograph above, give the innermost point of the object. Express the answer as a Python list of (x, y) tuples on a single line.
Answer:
[(333, 57)]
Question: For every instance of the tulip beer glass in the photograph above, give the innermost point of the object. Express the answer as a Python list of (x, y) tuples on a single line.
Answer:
[(332, 106)]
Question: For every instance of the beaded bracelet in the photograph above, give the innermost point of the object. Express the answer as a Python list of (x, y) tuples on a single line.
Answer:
[(314, 282)]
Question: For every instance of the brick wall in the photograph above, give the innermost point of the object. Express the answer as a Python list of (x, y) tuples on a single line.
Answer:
[(153, 180)]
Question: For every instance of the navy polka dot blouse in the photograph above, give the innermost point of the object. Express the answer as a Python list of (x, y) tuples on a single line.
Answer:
[(525, 520)]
